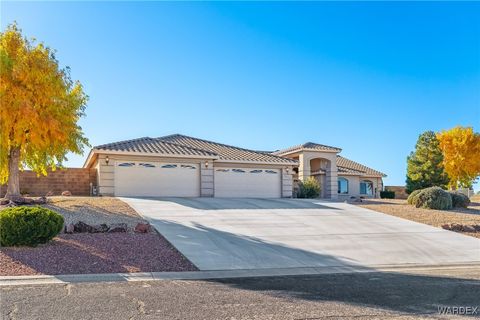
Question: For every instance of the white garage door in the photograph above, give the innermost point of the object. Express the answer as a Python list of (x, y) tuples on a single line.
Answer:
[(156, 179), (247, 182)]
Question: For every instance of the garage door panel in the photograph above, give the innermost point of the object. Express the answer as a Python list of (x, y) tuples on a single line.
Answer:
[(247, 183), (157, 179)]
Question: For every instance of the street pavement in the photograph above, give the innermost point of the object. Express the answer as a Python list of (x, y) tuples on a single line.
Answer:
[(377, 295)]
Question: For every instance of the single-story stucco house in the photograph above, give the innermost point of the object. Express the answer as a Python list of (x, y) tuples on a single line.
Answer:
[(182, 166)]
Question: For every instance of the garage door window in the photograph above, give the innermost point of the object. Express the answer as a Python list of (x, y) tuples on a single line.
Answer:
[(271, 171), (256, 171), (238, 170), (126, 164), (223, 170), (169, 166), (146, 165), (187, 166)]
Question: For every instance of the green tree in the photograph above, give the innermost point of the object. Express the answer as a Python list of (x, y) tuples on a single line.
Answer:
[(40, 109), (425, 164)]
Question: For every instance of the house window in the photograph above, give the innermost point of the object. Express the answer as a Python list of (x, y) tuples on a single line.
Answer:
[(342, 186), (169, 166), (366, 187)]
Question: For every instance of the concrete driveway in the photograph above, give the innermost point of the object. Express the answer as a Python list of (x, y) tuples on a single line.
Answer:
[(226, 234)]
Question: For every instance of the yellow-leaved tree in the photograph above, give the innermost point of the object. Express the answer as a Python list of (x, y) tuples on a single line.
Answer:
[(461, 155), (39, 109)]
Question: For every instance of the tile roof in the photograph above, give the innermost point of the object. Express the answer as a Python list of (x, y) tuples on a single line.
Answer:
[(226, 152), (349, 166), (154, 146), (307, 146)]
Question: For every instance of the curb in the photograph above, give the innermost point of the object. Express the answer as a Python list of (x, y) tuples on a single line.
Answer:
[(221, 274)]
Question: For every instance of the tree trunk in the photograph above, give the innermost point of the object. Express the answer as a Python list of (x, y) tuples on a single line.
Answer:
[(13, 187)]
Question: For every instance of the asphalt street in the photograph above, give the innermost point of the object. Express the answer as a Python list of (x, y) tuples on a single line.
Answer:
[(378, 295)]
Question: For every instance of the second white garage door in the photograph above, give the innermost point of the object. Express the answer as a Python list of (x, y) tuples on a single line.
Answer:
[(157, 179), (247, 183)]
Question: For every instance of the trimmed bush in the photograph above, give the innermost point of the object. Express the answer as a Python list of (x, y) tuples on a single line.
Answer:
[(28, 226), (310, 188), (387, 194), (412, 197), (433, 198), (459, 200)]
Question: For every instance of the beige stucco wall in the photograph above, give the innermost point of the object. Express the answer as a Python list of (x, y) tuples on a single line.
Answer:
[(354, 186)]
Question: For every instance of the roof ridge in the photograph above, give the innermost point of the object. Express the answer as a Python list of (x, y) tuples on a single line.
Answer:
[(184, 146), (323, 145), (123, 141), (218, 143)]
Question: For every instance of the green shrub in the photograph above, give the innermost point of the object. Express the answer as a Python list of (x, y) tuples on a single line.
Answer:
[(310, 188), (413, 196), (28, 226), (433, 198), (459, 200), (386, 194)]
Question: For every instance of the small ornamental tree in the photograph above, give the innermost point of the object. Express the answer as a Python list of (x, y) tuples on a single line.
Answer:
[(40, 109), (425, 164), (461, 156)]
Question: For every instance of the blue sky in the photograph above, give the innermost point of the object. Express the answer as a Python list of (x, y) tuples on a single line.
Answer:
[(366, 77)]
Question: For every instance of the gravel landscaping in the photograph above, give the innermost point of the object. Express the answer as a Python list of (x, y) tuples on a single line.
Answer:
[(81, 253), (469, 216), (94, 253), (94, 210)]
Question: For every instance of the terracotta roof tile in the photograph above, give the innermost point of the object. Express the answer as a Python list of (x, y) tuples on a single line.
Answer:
[(226, 152), (307, 146), (154, 146), (349, 166)]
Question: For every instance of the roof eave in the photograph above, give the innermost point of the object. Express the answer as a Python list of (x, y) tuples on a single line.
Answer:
[(291, 163), (149, 154)]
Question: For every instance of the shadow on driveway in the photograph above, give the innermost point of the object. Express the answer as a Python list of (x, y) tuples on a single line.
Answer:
[(245, 203)]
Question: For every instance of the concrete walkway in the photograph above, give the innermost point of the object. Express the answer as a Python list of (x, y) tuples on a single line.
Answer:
[(232, 234)]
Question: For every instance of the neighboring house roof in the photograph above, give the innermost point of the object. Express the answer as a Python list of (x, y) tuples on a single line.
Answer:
[(154, 146), (226, 152), (348, 166), (306, 147)]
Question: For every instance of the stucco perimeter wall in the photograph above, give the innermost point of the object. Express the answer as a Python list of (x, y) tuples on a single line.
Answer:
[(354, 186), (75, 180)]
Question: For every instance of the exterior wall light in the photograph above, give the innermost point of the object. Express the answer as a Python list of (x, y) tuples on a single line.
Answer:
[(287, 170), (107, 160), (206, 164)]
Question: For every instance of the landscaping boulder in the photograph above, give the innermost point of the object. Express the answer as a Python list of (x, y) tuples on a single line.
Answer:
[(49, 194), (99, 228), (81, 227), (118, 227), (4, 202), (66, 193), (142, 227), (41, 200), (69, 228), (446, 226), (476, 227), (468, 229)]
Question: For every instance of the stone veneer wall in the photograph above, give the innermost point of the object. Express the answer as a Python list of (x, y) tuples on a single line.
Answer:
[(75, 180)]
